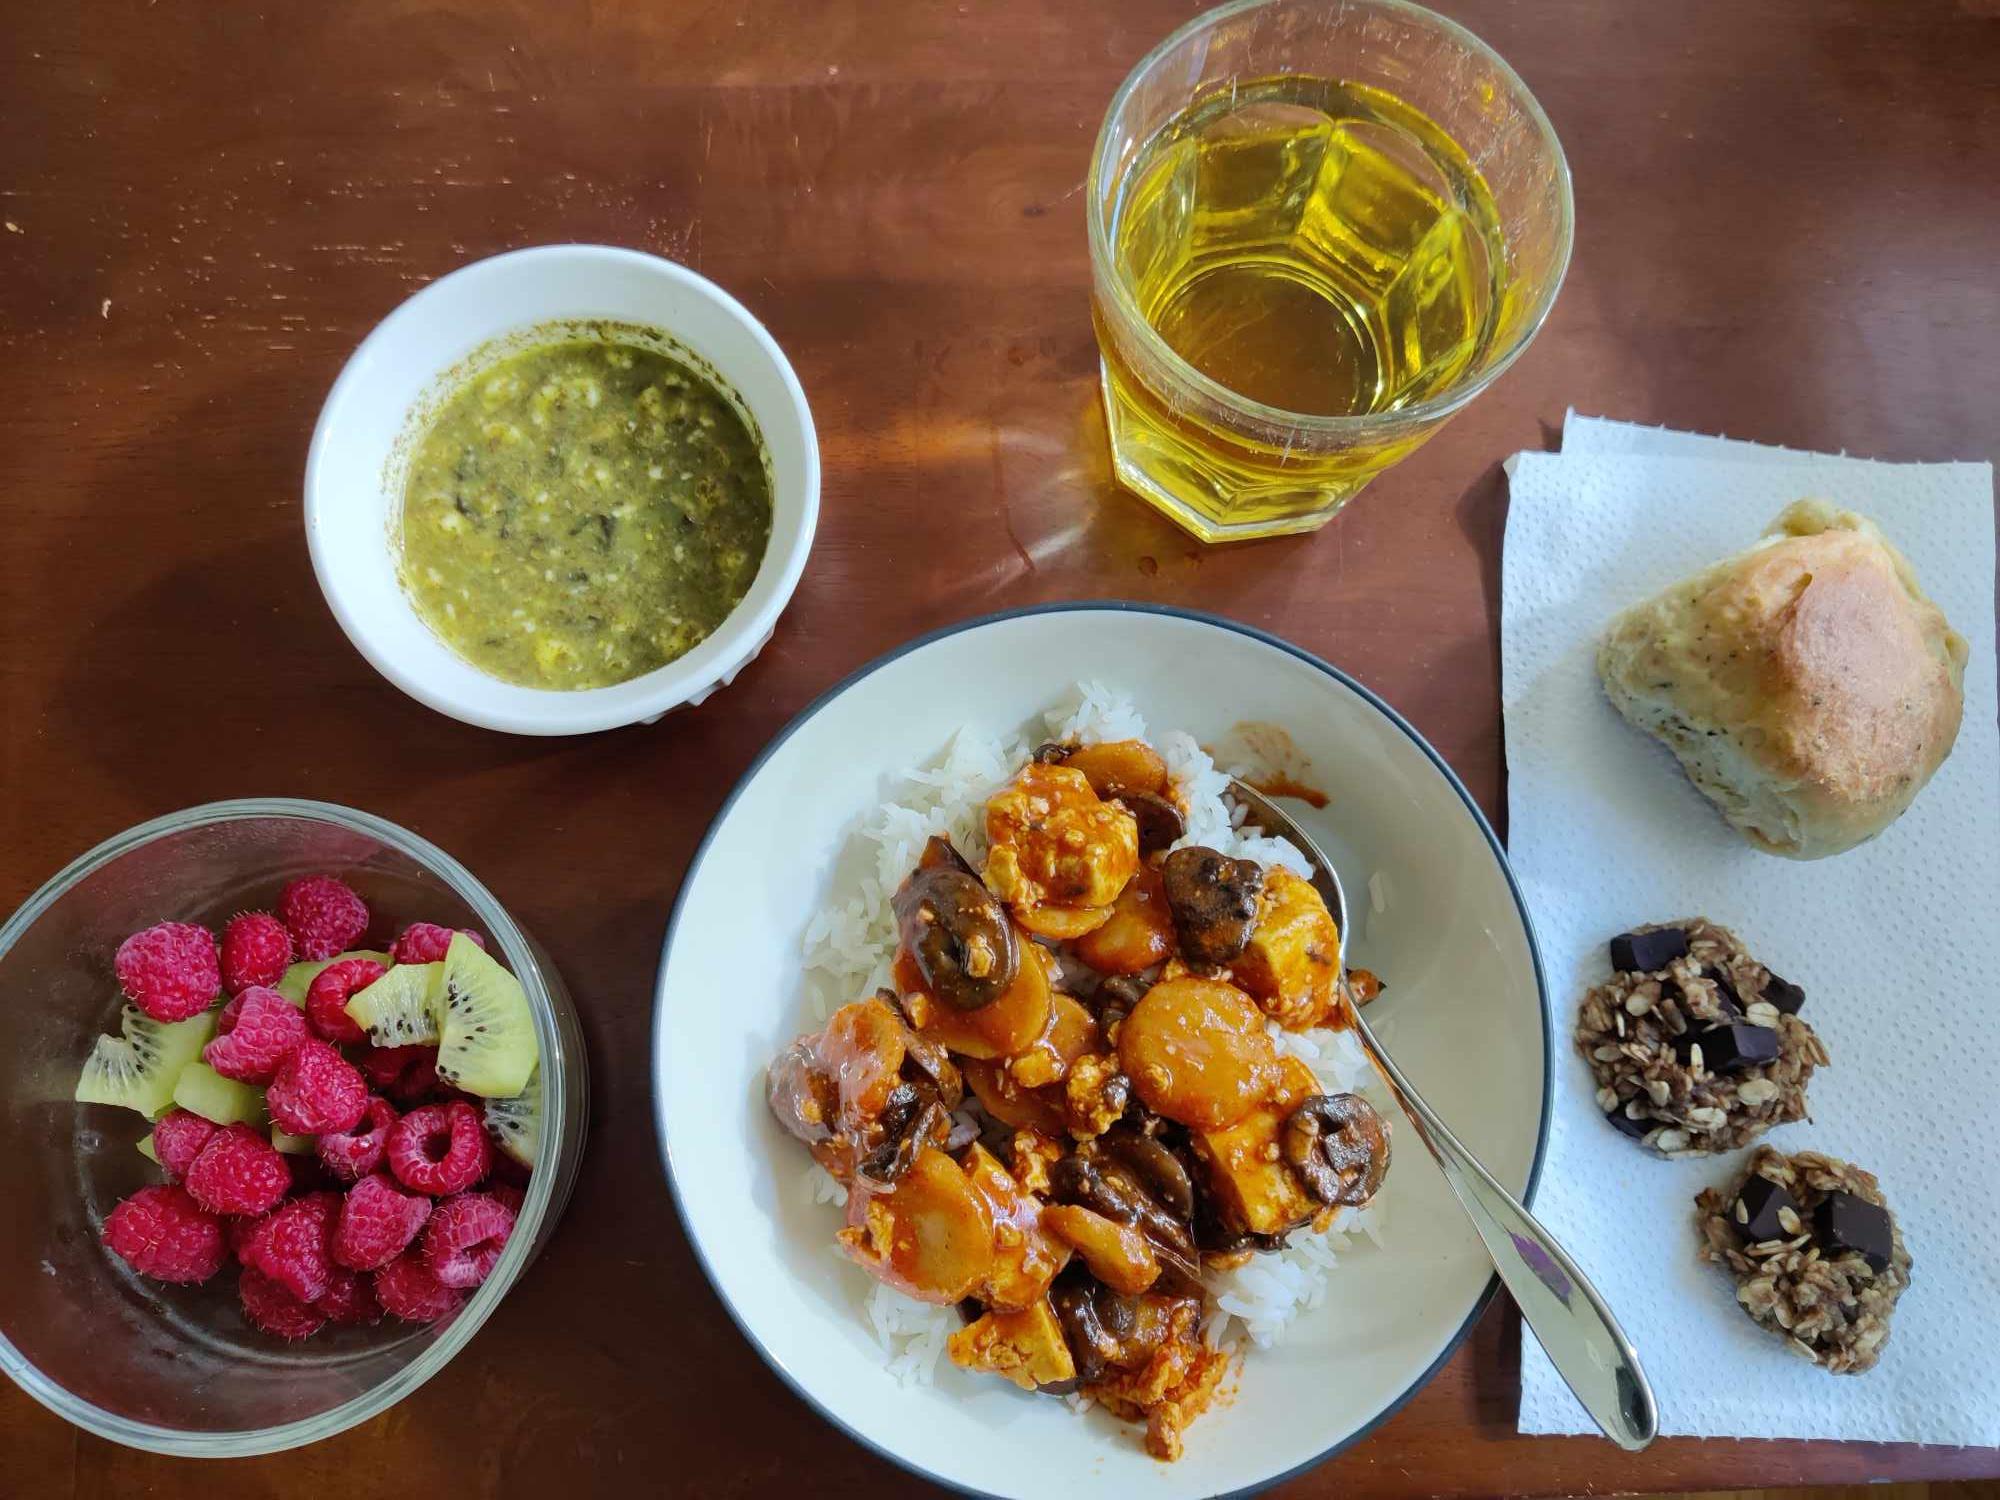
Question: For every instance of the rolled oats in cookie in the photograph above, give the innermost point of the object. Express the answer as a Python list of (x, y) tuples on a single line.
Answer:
[(1816, 1254), (1701, 1052)]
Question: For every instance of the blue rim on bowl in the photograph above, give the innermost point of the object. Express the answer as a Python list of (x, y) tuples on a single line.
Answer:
[(1374, 701)]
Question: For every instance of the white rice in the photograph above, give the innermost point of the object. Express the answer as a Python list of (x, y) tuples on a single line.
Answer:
[(850, 942)]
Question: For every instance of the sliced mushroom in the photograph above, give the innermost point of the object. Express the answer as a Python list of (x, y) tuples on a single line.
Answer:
[(1214, 901), (955, 931), (1339, 1146), (1095, 1179), (910, 1125), (1052, 752), (1108, 1331), (1164, 1174), (1161, 824)]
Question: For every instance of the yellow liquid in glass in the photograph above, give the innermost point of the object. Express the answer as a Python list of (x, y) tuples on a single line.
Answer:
[(1317, 247)]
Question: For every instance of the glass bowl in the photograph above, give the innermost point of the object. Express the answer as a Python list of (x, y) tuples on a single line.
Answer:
[(176, 1369)]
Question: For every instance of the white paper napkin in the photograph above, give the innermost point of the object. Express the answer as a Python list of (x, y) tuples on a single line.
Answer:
[(1895, 942)]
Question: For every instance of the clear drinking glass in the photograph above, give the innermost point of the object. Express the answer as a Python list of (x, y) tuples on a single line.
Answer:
[(1244, 90), (176, 1369)]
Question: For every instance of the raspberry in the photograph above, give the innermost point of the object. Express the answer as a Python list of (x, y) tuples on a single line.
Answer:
[(238, 1232), (463, 1241), (254, 1034), (407, 1290), (352, 1154), (326, 997), (170, 971), (378, 1220), (350, 1299), (406, 1074), (256, 949), (163, 1233), (271, 1308), (426, 942), (323, 914), (293, 1245), (239, 1172), (506, 1195), (316, 1090), (178, 1136), (440, 1149)]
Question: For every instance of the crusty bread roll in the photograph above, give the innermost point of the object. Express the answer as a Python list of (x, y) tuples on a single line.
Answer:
[(1806, 684)]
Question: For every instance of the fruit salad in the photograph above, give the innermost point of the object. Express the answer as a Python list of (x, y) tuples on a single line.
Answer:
[(350, 1128)]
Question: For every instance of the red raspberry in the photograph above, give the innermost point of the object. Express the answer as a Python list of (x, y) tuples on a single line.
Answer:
[(326, 997), (178, 1136), (163, 1233), (239, 1172), (352, 1154), (407, 1290), (316, 1090), (440, 1149), (271, 1308), (238, 1232), (406, 1074), (170, 971), (323, 914), (377, 1222), (426, 943), (350, 1299), (256, 1032), (256, 949), (506, 1194), (463, 1241), (293, 1245)]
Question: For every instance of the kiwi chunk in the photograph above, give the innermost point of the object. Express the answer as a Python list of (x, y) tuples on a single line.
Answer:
[(138, 1068), (486, 1044), (293, 1145), (146, 1149), (219, 1100), (299, 977), (516, 1124), (400, 1009)]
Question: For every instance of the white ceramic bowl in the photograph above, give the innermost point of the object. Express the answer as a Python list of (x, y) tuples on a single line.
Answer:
[(1463, 1013), (355, 471)]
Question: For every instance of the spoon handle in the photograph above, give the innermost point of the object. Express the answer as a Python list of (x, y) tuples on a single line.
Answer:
[(1579, 1333)]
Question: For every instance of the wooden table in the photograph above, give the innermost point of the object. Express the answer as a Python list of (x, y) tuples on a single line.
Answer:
[(1789, 216)]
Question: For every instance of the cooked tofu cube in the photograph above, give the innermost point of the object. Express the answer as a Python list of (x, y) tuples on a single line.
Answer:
[(1292, 961), (1027, 1346), (1255, 1187)]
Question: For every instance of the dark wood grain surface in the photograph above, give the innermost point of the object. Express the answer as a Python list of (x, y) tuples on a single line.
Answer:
[(1789, 219)]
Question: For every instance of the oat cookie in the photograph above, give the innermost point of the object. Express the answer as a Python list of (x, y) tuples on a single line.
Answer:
[(1696, 1047), (1817, 1257)]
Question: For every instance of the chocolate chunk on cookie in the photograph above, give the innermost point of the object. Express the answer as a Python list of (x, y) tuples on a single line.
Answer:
[(1702, 1054), (1815, 1252)]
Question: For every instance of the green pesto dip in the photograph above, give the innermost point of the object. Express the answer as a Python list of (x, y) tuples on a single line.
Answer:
[(581, 512)]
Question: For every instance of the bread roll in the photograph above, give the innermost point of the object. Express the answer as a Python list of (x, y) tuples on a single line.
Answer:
[(1806, 684)]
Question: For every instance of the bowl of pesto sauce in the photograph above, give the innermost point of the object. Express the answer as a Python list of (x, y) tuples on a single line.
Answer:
[(562, 490)]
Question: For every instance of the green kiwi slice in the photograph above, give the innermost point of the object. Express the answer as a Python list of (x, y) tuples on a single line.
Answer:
[(486, 1044), (222, 1101), (400, 1009), (516, 1124), (293, 1145), (299, 977), (138, 1068)]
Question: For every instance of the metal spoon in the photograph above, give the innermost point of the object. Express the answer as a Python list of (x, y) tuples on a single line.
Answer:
[(1583, 1339)]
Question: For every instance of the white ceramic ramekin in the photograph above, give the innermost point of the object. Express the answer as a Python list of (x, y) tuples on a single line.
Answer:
[(359, 450)]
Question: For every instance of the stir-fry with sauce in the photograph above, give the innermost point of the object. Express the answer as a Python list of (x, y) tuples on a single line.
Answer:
[(1070, 1106)]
